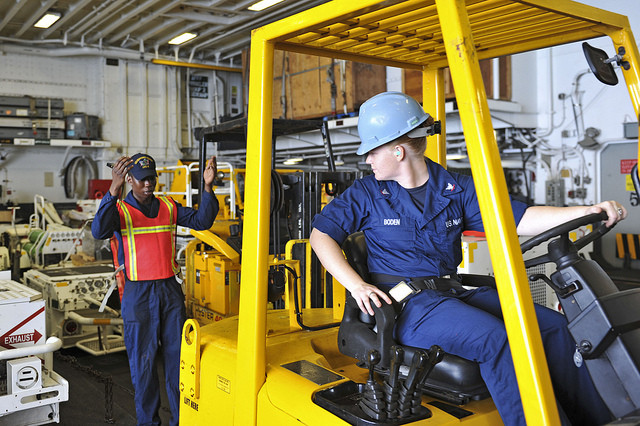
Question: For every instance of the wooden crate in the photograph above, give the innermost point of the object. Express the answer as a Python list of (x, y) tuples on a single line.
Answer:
[(412, 80), (307, 90)]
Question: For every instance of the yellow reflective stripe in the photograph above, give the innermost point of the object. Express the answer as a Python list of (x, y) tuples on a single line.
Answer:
[(152, 229), (170, 205), (131, 232), (130, 246), (173, 221)]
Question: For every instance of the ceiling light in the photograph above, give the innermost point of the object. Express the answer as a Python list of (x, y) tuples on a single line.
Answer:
[(182, 38), (456, 156), (292, 161), (47, 20), (263, 4)]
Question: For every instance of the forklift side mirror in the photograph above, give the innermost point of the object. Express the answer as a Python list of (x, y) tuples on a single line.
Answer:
[(600, 65)]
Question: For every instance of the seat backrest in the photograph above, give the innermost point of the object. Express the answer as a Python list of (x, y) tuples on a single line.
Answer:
[(356, 335), (355, 249), (454, 379)]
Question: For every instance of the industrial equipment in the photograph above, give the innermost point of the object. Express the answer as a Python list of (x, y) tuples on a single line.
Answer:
[(261, 367), (476, 260), (73, 297), (620, 249), (212, 276), (45, 240), (30, 391)]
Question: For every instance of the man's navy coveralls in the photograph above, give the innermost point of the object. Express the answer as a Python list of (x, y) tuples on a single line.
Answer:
[(407, 241), (153, 311)]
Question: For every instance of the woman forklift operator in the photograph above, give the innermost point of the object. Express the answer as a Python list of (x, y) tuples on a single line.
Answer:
[(413, 212)]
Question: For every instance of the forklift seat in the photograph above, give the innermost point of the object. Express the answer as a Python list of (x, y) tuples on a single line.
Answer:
[(454, 379)]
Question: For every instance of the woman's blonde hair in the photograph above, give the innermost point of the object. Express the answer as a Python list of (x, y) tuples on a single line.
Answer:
[(416, 145)]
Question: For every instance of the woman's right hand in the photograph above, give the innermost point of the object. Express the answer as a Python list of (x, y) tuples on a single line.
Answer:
[(366, 293)]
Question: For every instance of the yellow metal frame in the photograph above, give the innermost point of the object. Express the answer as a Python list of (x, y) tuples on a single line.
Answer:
[(190, 359), (426, 35)]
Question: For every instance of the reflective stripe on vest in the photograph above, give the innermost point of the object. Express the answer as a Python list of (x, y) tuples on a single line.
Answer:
[(149, 243)]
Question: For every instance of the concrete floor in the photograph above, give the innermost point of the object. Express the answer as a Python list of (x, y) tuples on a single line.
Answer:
[(87, 375)]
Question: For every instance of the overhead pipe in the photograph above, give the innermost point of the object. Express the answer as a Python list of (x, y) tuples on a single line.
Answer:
[(11, 13), (255, 23), (125, 102), (551, 113), (187, 90), (167, 124), (73, 51), (85, 49), (159, 11), (214, 96), (144, 106), (137, 11), (177, 63), (91, 19), (178, 105), (576, 100)]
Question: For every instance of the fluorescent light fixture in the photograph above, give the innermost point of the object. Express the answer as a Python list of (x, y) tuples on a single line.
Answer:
[(47, 20), (456, 156), (263, 4), (292, 161), (182, 38)]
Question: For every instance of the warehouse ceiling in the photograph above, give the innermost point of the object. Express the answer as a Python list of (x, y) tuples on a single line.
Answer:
[(127, 29)]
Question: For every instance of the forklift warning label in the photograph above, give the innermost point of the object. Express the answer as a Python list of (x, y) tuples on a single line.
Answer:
[(626, 165), (224, 384), (190, 403)]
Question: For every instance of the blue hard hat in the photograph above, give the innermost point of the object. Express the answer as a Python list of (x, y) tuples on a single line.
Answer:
[(387, 116)]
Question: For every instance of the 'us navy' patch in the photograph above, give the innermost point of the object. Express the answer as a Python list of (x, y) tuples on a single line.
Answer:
[(453, 222)]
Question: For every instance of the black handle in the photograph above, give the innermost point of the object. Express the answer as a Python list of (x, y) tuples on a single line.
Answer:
[(418, 365), (397, 354)]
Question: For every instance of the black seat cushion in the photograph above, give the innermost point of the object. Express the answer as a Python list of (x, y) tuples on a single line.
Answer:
[(454, 379)]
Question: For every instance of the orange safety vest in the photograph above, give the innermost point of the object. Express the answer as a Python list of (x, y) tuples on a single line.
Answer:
[(149, 243)]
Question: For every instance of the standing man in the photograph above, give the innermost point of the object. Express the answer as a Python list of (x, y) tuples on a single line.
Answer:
[(413, 212), (153, 306)]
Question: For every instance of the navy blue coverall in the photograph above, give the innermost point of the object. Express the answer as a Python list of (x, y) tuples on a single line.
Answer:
[(153, 311), (407, 241)]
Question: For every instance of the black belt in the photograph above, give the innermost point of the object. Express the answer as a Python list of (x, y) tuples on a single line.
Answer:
[(417, 284), (444, 283)]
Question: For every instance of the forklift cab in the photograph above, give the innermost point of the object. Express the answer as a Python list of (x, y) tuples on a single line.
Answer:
[(602, 319), (261, 367)]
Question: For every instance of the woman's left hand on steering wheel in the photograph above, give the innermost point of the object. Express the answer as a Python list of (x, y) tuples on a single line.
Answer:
[(615, 211)]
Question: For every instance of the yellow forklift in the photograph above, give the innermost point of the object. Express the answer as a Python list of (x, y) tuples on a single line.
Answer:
[(287, 367), (212, 259)]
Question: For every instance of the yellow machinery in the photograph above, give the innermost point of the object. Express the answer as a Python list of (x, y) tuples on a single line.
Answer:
[(257, 367), (212, 265), (177, 182)]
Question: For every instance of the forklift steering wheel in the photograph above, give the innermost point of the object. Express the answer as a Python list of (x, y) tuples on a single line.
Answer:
[(562, 230)]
